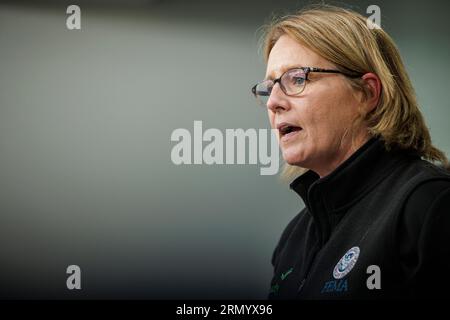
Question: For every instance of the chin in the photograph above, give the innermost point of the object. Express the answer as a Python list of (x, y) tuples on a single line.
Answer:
[(293, 158)]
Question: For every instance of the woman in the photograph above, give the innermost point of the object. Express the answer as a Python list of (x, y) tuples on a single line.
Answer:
[(376, 222)]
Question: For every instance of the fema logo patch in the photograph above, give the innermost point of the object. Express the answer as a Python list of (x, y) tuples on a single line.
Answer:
[(345, 265)]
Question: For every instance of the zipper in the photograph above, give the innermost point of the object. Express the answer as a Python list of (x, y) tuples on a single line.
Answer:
[(302, 283), (311, 264), (319, 206), (305, 277)]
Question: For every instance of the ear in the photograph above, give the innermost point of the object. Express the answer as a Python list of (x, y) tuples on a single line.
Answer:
[(373, 87)]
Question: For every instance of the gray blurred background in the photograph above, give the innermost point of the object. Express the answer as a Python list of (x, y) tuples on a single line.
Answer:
[(85, 122)]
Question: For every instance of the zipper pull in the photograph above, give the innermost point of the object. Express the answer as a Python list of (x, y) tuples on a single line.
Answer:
[(301, 285)]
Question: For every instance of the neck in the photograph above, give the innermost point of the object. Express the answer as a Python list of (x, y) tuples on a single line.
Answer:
[(345, 150)]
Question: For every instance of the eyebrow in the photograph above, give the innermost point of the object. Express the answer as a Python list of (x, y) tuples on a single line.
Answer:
[(283, 70)]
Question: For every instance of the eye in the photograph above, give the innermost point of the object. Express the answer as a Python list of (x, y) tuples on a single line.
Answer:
[(298, 80), (295, 77)]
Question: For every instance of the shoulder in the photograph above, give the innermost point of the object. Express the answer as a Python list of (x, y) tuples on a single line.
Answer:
[(424, 219), (414, 183), (428, 183), (427, 200), (418, 170), (426, 193), (423, 232), (425, 186)]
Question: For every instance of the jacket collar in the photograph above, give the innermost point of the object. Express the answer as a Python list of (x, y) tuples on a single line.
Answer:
[(349, 182)]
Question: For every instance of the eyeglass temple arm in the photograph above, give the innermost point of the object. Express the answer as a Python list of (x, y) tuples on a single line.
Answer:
[(351, 74)]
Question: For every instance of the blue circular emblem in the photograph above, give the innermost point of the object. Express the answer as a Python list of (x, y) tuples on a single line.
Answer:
[(345, 265)]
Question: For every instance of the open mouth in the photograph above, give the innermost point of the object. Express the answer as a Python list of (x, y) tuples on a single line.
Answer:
[(286, 130)]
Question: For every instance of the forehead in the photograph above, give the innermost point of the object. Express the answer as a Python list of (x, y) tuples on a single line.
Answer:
[(288, 53)]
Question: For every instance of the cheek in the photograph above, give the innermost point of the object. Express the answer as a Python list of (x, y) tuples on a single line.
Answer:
[(332, 115)]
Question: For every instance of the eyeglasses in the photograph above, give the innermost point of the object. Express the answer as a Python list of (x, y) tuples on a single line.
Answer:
[(292, 82)]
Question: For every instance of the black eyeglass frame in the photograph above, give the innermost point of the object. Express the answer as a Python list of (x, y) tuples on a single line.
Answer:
[(307, 71)]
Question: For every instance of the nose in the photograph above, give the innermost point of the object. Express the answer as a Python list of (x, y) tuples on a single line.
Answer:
[(277, 101)]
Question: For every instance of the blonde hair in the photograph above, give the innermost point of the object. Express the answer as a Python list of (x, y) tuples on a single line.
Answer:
[(343, 37)]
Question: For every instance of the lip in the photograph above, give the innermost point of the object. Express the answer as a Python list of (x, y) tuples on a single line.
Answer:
[(283, 124), (287, 136)]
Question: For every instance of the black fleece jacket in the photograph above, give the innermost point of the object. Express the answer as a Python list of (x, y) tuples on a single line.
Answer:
[(378, 226)]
